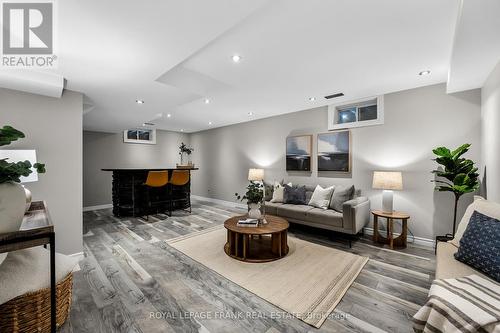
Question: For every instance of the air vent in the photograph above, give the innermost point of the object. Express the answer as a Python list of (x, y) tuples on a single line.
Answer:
[(149, 124), (334, 95)]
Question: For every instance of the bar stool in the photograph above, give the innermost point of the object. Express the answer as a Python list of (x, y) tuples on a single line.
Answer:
[(154, 181), (179, 179)]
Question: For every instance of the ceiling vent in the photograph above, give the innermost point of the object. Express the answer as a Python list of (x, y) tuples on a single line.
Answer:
[(334, 95), (149, 124)]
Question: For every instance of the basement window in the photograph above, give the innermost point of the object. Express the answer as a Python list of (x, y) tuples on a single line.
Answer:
[(365, 112), (144, 136)]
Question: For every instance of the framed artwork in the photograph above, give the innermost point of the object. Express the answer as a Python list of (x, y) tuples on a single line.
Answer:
[(298, 153), (334, 151), (144, 136)]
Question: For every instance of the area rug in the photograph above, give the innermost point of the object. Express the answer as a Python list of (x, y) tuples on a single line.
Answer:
[(308, 283)]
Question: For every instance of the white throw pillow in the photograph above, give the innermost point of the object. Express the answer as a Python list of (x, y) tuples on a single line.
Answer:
[(279, 192), (321, 197), (29, 270), (483, 206)]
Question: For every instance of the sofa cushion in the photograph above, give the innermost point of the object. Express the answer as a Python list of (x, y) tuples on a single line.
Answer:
[(321, 197), (480, 245), (481, 205), (340, 195), (297, 212), (294, 195), (268, 191), (448, 267), (272, 207), (328, 216), (278, 192)]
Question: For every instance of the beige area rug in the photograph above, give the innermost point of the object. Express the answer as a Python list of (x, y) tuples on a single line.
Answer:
[(308, 283)]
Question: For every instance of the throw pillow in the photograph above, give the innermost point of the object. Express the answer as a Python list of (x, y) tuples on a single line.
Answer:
[(268, 191), (321, 197), (481, 205), (278, 192), (294, 195), (341, 195), (480, 245)]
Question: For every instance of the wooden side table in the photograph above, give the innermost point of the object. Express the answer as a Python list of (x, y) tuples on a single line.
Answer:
[(400, 241)]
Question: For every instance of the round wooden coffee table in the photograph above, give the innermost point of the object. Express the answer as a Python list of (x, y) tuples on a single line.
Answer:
[(267, 242)]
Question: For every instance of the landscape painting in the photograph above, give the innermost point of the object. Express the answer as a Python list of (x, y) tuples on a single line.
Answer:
[(334, 151), (298, 153)]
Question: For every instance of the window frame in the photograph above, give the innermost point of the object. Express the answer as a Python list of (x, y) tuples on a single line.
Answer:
[(152, 140), (334, 109)]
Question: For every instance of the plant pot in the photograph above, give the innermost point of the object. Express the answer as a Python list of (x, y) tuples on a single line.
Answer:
[(254, 211), (12, 206)]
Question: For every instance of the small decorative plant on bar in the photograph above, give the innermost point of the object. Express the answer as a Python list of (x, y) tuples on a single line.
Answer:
[(254, 196), (184, 150), (12, 193), (458, 175)]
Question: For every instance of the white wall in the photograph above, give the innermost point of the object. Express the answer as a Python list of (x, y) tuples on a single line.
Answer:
[(54, 128), (416, 121), (107, 150), (490, 120)]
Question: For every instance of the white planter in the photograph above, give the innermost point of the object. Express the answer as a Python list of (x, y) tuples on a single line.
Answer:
[(12, 206), (254, 211)]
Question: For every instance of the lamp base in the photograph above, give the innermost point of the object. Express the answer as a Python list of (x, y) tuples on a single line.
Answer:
[(387, 201)]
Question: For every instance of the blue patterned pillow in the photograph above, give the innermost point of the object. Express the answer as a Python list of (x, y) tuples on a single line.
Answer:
[(480, 245)]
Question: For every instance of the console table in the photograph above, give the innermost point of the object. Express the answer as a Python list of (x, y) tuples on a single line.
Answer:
[(129, 194), (36, 230)]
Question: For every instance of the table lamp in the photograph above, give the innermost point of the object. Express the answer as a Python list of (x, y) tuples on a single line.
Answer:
[(387, 181), (257, 175)]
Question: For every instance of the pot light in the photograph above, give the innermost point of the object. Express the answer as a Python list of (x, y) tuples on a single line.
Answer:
[(312, 99), (210, 123), (422, 73), (182, 130), (250, 113), (169, 115), (236, 58), (207, 101), (139, 101)]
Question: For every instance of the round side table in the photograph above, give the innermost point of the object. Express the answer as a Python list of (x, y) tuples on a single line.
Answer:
[(400, 241)]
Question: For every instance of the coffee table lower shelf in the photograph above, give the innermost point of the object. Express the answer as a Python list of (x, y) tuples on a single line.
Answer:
[(256, 248)]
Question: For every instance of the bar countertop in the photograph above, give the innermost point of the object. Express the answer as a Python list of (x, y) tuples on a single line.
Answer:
[(147, 169)]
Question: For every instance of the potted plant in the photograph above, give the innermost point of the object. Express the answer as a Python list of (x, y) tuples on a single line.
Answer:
[(12, 193), (184, 150), (253, 196), (458, 175)]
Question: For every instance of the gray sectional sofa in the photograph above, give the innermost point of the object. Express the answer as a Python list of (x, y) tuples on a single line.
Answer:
[(355, 214)]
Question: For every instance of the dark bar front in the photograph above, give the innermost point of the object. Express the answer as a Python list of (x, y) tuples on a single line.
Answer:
[(130, 195)]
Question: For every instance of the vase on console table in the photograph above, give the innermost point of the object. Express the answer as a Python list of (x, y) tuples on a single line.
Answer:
[(254, 211)]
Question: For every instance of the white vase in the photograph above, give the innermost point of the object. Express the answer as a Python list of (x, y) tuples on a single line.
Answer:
[(12, 206), (254, 211)]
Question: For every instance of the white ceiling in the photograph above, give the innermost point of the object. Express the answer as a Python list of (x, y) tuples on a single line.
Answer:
[(174, 54)]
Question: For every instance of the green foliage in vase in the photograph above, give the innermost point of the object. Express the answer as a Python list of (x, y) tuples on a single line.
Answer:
[(254, 193), (12, 172), (184, 149), (456, 174)]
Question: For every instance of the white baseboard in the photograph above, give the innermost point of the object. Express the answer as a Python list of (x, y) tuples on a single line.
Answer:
[(98, 207), (417, 241), (220, 202), (78, 255)]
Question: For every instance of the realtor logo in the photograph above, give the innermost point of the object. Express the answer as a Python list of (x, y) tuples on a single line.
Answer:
[(28, 34)]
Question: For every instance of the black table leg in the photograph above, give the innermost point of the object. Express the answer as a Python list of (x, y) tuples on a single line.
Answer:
[(53, 282)]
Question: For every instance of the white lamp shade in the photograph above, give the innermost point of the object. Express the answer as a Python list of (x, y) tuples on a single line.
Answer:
[(256, 174), (21, 156), (387, 180)]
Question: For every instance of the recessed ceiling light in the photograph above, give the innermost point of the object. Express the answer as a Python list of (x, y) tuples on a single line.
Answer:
[(250, 113), (427, 72), (236, 58), (207, 101), (210, 123), (312, 99), (169, 115), (182, 130), (139, 101)]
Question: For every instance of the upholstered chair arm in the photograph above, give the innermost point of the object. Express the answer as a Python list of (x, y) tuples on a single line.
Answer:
[(356, 214)]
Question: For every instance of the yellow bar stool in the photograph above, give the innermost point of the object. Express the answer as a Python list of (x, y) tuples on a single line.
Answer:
[(178, 189), (155, 181)]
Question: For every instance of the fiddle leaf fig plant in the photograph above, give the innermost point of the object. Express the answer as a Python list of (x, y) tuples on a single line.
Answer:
[(10, 171), (254, 193), (456, 174)]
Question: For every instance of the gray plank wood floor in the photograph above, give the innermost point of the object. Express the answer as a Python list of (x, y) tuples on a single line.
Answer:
[(132, 281)]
